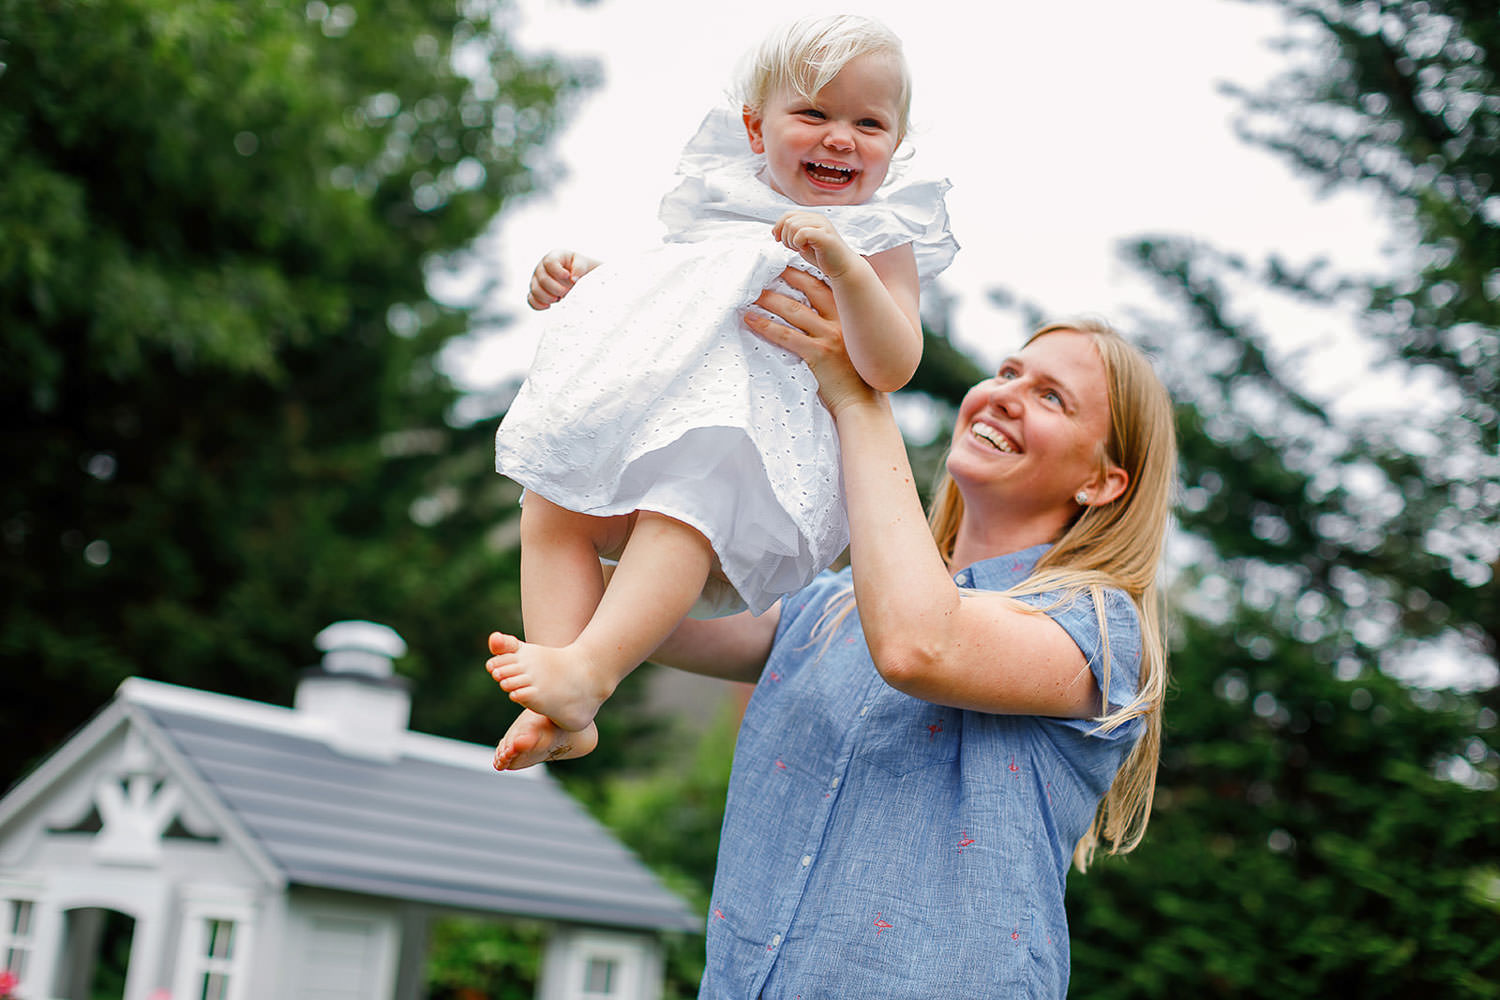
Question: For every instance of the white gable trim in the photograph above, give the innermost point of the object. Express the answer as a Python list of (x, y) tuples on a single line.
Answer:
[(118, 715), (62, 761), (207, 801)]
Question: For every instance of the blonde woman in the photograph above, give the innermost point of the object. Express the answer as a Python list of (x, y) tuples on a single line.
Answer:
[(930, 744)]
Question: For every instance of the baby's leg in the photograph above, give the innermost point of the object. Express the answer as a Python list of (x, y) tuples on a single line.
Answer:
[(661, 574), (561, 584)]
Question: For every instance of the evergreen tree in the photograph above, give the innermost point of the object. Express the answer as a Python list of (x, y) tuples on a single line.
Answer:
[(223, 425), (1325, 824)]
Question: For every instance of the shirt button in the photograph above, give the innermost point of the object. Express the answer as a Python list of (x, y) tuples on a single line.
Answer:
[(775, 940), (806, 860), (863, 710), (835, 783)]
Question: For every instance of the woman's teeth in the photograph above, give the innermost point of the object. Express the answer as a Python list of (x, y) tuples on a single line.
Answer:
[(987, 433)]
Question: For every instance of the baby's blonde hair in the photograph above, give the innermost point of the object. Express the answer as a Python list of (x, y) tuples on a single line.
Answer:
[(804, 56)]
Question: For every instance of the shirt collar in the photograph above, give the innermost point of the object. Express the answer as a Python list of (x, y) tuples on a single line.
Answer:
[(1001, 572)]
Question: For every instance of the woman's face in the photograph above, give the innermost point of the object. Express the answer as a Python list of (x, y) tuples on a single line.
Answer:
[(1030, 438)]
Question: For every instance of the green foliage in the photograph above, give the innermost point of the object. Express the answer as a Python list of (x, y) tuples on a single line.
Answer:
[(670, 815), (497, 961), (1323, 827), (220, 406)]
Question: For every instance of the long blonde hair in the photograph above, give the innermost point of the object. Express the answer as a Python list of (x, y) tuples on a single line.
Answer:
[(1117, 545)]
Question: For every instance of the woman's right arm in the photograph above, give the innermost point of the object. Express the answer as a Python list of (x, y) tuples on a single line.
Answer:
[(733, 648)]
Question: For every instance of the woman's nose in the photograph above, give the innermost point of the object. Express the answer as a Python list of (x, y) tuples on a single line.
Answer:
[(1004, 397)]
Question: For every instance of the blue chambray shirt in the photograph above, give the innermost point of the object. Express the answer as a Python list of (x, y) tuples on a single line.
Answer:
[(876, 845)]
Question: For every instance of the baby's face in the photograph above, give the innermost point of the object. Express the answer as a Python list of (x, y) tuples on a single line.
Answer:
[(836, 148)]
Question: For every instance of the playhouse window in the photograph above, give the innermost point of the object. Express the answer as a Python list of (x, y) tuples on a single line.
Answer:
[(217, 960), (18, 941), (599, 977)]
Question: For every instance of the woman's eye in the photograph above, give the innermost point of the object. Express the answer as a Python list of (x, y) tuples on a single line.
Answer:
[(1050, 394)]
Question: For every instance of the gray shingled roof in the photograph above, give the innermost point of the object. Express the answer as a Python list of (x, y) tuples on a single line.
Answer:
[(421, 830)]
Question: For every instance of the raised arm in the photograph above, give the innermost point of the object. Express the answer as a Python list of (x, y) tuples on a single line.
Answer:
[(977, 651), (877, 298)]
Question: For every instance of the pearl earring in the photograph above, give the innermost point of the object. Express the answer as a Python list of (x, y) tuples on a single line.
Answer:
[(1082, 498)]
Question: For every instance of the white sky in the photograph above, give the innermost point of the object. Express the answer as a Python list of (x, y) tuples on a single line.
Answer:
[(1063, 126)]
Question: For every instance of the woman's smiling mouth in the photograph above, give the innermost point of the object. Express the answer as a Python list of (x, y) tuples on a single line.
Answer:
[(993, 436)]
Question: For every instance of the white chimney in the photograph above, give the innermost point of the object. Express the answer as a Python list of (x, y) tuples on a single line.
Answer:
[(354, 701)]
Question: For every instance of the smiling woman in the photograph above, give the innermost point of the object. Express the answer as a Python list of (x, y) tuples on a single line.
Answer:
[(937, 730)]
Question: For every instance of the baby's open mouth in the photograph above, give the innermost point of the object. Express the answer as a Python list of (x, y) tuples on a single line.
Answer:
[(828, 173)]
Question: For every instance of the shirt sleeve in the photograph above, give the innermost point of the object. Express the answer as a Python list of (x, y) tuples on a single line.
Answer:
[(1077, 616)]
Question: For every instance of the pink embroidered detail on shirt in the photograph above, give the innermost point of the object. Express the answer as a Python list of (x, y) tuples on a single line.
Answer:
[(780, 765), (775, 676), (1013, 768), (964, 840), (934, 729), (719, 914), (1015, 935), (880, 925)]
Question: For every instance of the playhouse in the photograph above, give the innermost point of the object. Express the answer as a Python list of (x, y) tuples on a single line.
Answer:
[(246, 851)]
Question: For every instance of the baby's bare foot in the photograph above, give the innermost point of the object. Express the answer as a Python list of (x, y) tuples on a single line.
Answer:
[(535, 739), (558, 682)]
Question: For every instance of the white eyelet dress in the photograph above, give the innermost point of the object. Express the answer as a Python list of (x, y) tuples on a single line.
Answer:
[(648, 392)]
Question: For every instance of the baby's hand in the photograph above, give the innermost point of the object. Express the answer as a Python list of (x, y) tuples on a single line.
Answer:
[(815, 238), (555, 275)]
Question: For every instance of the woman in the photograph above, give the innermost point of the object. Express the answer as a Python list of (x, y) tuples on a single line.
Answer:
[(918, 766), (929, 743)]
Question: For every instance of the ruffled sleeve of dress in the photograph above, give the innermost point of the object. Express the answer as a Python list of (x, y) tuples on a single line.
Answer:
[(720, 188)]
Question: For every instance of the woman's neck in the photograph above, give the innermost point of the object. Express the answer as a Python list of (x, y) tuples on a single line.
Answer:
[(986, 538)]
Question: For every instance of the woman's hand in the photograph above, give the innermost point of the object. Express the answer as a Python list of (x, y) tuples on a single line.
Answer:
[(555, 275), (813, 333)]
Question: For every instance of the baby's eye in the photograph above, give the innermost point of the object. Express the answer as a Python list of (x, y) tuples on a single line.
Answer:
[(872, 123), (812, 113)]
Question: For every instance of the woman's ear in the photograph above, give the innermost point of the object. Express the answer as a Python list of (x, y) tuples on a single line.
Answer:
[(753, 121), (1108, 486)]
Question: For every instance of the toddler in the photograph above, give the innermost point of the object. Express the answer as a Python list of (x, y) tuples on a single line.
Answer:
[(656, 428)]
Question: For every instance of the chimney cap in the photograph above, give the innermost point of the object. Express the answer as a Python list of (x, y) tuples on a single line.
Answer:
[(359, 647)]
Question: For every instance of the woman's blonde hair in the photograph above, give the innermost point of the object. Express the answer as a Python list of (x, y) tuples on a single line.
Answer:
[(804, 56), (1117, 545)]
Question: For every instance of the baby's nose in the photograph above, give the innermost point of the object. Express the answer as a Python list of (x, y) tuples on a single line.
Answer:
[(838, 137)]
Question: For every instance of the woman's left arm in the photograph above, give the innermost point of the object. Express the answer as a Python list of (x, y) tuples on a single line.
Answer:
[(980, 651)]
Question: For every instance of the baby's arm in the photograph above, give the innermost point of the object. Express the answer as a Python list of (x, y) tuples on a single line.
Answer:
[(877, 298), (555, 275)]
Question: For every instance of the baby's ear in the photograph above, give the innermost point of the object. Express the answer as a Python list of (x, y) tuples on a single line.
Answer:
[(753, 121)]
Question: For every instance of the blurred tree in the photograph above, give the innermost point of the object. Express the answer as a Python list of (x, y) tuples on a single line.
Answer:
[(1325, 824), (223, 426)]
